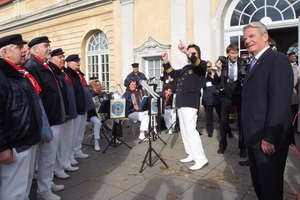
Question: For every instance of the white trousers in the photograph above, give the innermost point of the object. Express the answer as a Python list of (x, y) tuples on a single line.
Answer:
[(96, 127), (170, 117), (190, 136), (46, 161), (16, 178), (64, 147), (79, 129), (143, 117)]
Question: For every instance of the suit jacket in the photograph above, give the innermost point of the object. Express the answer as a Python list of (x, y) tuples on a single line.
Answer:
[(231, 90), (266, 100)]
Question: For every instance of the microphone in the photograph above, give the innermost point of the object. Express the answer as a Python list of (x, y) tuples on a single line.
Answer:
[(150, 79)]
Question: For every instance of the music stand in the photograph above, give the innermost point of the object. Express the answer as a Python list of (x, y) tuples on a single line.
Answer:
[(113, 141), (151, 131)]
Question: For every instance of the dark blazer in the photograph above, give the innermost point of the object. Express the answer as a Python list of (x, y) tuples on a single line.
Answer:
[(191, 79), (231, 90), (50, 95), (266, 101)]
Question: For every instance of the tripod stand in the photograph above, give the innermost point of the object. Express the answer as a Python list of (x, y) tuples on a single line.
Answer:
[(115, 140), (152, 135)]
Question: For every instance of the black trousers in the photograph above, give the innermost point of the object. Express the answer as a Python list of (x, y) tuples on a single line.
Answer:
[(226, 105), (267, 173), (209, 111)]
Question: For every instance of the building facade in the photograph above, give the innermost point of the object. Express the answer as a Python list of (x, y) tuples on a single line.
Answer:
[(109, 35)]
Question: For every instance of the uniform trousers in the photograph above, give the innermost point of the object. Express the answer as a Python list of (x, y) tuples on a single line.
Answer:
[(79, 129), (96, 127), (46, 161), (190, 136), (143, 117), (267, 173), (170, 118), (16, 178), (64, 147)]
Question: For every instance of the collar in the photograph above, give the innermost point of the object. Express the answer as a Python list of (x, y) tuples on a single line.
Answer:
[(261, 52)]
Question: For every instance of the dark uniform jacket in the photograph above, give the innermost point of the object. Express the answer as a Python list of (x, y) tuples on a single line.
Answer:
[(67, 91), (20, 113), (132, 76), (50, 95), (190, 80), (78, 89)]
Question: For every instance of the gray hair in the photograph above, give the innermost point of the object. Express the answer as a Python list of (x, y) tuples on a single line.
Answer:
[(260, 27), (7, 47)]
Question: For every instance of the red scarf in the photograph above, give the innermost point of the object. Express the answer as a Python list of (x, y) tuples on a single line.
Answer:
[(82, 79), (31, 79), (46, 66), (69, 80)]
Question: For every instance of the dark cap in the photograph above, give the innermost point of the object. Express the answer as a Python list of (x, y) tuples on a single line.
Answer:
[(11, 39), (57, 52), (135, 65), (37, 40), (73, 57)]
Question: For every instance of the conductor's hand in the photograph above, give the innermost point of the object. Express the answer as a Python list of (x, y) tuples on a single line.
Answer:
[(182, 47), (267, 147), (6, 157), (165, 57)]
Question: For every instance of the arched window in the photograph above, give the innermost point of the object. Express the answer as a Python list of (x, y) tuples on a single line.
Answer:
[(273, 13), (97, 58)]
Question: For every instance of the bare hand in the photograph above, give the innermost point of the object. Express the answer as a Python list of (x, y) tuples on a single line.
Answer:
[(219, 65), (182, 47), (6, 157), (47, 141), (165, 57), (267, 147)]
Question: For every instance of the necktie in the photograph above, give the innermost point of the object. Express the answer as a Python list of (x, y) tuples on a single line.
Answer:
[(253, 61), (231, 73)]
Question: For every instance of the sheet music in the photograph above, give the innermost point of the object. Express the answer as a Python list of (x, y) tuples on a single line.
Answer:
[(149, 89)]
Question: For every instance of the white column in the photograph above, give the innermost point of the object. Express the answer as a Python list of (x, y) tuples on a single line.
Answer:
[(127, 35), (178, 31), (202, 27)]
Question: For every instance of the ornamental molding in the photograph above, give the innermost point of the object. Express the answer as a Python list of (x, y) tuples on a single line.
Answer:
[(50, 13)]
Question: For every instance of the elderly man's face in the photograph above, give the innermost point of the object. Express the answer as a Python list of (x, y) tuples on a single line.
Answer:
[(254, 41), (58, 60), (75, 65), (16, 54), (43, 50), (135, 69)]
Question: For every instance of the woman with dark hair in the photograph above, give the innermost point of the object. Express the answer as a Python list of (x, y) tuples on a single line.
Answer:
[(134, 97)]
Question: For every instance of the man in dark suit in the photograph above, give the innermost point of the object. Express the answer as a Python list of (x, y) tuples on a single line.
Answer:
[(229, 75), (190, 80), (134, 75), (266, 116)]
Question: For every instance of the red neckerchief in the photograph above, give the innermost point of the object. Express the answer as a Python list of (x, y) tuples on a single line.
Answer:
[(167, 98), (69, 80), (65, 75), (136, 73), (31, 79), (46, 66), (82, 79)]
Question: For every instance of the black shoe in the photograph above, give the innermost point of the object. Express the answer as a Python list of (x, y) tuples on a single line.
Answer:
[(221, 150), (245, 163), (230, 134), (243, 153)]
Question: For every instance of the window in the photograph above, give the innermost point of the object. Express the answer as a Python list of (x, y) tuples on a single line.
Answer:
[(154, 68), (273, 13), (97, 58), (247, 11)]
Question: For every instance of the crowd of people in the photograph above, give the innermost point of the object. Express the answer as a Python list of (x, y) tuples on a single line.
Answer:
[(45, 103)]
